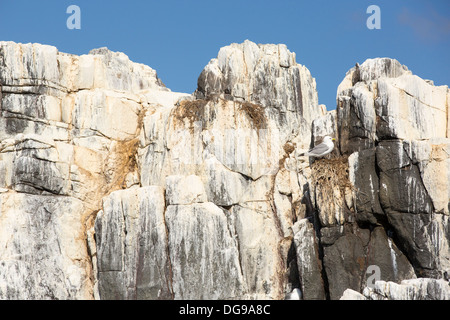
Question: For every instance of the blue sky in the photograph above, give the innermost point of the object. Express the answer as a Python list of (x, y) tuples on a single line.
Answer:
[(179, 37)]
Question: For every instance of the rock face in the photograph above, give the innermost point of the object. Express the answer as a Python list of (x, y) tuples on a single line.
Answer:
[(267, 75), (132, 245), (44, 254), (69, 132), (412, 289), (114, 187), (402, 119)]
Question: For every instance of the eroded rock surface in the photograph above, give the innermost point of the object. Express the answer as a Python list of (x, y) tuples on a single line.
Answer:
[(114, 187)]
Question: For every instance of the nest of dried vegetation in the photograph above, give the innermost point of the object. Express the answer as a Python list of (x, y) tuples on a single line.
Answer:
[(331, 172)]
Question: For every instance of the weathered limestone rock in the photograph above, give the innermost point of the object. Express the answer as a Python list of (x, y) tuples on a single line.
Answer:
[(107, 114), (381, 105), (344, 263), (259, 249), (380, 99), (132, 246), (308, 261), (356, 113), (434, 164), (114, 187), (184, 190), (350, 294), (68, 129), (44, 254), (239, 135), (266, 75), (152, 153), (295, 294), (401, 185), (392, 263), (41, 67), (224, 187), (233, 139), (413, 289), (411, 98), (425, 240), (448, 113), (32, 164), (410, 209), (365, 181), (203, 252)]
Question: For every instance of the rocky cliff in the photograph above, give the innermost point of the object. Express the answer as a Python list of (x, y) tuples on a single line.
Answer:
[(114, 187)]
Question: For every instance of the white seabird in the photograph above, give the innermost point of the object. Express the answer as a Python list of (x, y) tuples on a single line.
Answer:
[(321, 149)]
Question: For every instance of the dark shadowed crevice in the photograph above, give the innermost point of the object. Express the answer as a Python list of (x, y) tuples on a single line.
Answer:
[(313, 216), (291, 263)]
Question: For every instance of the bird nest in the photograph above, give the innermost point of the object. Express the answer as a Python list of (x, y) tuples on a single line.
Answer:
[(331, 173), (255, 113), (192, 111)]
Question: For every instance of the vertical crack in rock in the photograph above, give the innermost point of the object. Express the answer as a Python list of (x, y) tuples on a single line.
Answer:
[(169, 277)]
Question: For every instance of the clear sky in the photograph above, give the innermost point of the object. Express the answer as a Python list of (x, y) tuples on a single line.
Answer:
[(179, 37)]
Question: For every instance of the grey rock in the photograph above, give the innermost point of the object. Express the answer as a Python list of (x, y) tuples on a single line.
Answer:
[(329, 235), (260, 249), (132, 247), (43, 252), (363, 176), (431, 157), (383, 253), (224, 187), (401, 185), (424, 239), (296, 294), (207, 265), (344, 263), (308, 261), (381, 100), (409, 108), (373, 69), (357, 119)]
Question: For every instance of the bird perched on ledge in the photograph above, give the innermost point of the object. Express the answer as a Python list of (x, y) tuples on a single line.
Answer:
[(323, 148)]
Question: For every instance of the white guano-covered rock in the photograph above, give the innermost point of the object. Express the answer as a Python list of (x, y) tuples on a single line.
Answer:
[(131, 241), (68, 129), (203, 253), (44, 254), (267, 75), (411, 289), (184, 190), (308, 262)]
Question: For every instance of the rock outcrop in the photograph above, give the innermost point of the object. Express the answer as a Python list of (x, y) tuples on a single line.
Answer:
[(69, 133), (402, 119), (397, 209), (412, 289), (114, 187)]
